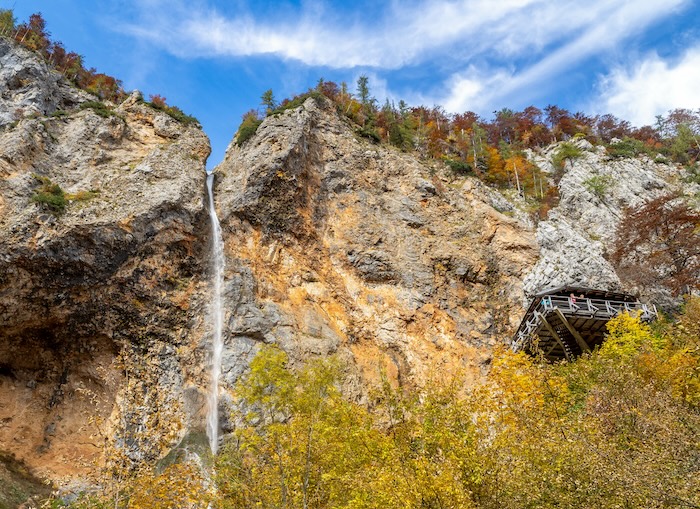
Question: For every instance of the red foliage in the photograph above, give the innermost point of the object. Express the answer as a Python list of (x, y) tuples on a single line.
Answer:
[(158, 101), (329, 89), (608, 127), (659, 244)]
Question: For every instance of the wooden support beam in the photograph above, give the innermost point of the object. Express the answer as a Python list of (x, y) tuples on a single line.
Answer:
[(551, 349), (553, 333), (581, 343)]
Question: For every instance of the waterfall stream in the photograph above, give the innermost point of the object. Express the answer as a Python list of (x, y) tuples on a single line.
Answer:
[(217, 320)]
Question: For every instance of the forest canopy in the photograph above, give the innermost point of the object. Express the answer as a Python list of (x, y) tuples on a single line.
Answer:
[(498, 150)]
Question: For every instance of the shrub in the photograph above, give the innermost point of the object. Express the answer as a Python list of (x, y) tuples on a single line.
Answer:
[(98, 107), (370, 133), (158, 103), (458, 166), (248, 127), (628, 147), (296, 102), (693, 174), (83, 195), (598, 184), (181, 116), (565, 151), (50, 196)]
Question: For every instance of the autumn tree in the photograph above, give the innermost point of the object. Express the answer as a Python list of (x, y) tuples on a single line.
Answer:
[(616, 428), (178, 485), (330, 89), (659, 245), (609, 126), (299, 443), (33, 34), (504, 127), (7, 22)]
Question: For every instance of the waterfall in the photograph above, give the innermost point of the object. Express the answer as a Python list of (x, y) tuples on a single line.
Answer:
[(217, 320)]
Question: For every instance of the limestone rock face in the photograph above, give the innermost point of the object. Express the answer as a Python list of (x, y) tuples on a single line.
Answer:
[(95, 301), (335, 245), (581, 230), (28, 86)]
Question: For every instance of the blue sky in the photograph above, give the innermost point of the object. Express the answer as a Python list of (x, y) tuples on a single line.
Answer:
[(214, 59)]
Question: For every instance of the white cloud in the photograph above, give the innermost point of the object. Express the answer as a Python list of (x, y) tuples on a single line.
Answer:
[(651, 87), (490, 51), (407, 32), (473, 90), (610, 24), (314, 37)]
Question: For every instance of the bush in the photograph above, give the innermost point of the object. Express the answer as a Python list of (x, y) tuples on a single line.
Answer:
[(83, 195), (158, 103), (565, 151), (98, 107), (181, 116), (628, 147), (248, 128), (50, 196), (296, 102), (370, 133), (598, 184), (458, 166)]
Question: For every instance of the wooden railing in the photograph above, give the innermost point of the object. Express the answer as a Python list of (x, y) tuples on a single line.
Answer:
[(578, 306)]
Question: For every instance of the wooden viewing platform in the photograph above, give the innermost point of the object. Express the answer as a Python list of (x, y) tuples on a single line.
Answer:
[(570, 320)]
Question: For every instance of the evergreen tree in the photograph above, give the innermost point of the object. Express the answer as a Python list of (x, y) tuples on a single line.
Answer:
[(268, 100)]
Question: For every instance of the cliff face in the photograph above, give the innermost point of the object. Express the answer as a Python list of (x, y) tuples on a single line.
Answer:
[(335, 245), (96, 299), (580, 232), (28, 86)]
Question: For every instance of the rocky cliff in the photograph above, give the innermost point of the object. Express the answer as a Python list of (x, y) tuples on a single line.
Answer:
[(101, 291), (595, 191), (333, 245)]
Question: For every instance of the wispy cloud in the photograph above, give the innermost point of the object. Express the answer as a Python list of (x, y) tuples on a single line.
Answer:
[(486, 51), (404, 34), (606, 25), (651, 87)]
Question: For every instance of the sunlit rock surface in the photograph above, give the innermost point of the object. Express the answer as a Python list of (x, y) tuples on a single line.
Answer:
[(335, 245), (581, 230)]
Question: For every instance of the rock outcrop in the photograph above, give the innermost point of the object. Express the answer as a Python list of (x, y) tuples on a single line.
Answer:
[(336, 245), (101, 297), (29, 87), (578, 234)]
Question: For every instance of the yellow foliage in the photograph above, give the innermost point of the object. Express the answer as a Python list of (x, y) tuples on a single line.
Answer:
[(181, 485), (626, 334), (617, 428)]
